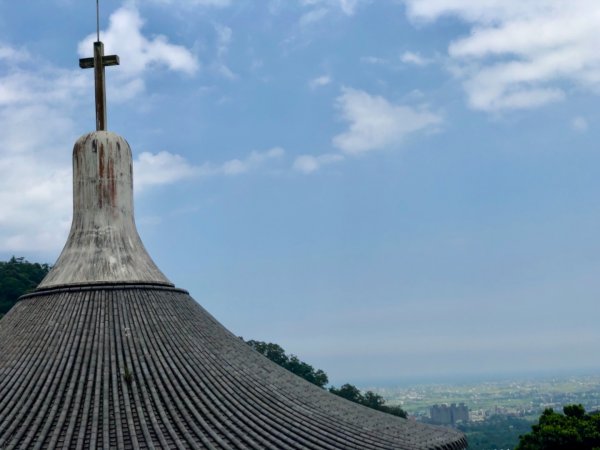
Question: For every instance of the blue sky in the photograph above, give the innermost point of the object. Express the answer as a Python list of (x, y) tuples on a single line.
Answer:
[(389, 189)]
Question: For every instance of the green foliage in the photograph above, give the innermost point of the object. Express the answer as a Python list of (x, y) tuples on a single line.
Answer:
[(17, 277), (496, 432), (127, 376), (368, 399), (349, 392), (573, 430), (277, 354)]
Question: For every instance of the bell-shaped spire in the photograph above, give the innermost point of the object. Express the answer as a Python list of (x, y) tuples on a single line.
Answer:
[(103, 245)]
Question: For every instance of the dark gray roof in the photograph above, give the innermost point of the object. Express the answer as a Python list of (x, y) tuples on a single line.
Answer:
[(65, 353), (107, 354)]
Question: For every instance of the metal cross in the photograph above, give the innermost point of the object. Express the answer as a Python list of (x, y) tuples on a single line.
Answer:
[(99, 62)]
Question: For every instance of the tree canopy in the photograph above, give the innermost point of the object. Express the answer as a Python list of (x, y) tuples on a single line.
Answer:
[(316, 376), (498, 431), (17, 277), (573, 430), (369, 399), (277, 354)]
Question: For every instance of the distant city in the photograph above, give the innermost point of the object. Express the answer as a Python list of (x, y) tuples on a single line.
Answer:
[(450, 404), (449, 414)]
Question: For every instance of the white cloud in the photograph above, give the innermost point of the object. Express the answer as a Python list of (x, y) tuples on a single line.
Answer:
[(159, 169), (35, 171), (239, 166), (376, 123), (188, 3), (579, 124), (155, 169), (520, 54), (414, 58), (323, 80), (24, 86), (37, 105), (10, 54), (137, 52), (309, 163), (39, 108)]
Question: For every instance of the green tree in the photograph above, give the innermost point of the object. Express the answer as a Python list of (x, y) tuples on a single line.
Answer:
[(572, 430), (292, 363), (369, 399), (17, 277), (277, 354), (272, 351), (497, 431), (373, 400), (349, 392)]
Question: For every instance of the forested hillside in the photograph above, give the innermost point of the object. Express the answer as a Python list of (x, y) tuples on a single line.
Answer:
[(17, 277)]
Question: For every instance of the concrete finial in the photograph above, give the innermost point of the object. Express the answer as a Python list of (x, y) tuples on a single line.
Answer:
[(103, 244)]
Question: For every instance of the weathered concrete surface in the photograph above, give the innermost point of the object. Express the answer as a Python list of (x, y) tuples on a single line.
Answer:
[(103, 244), (146, 367)]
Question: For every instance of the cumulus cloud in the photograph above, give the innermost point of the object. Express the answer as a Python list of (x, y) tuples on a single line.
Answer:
[(10, 54), (40, 108), (137, 52), (35, 171), (520, 54), (376, 123), (308, 163), (155, 169), (38, 104), (35, 193), (253, 161)]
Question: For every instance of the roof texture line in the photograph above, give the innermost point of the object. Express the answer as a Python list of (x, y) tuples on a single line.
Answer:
[(150, 368)]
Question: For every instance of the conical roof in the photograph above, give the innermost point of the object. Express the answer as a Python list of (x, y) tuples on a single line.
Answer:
[(141, 366), (106, 353)]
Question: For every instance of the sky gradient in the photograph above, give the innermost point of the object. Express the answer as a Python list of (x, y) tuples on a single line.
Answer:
[(388, 189)]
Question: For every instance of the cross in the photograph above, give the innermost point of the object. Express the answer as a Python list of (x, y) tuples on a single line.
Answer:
[(99, 62)]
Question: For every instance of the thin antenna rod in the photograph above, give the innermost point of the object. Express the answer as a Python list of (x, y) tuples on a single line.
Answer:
[(98, 20)]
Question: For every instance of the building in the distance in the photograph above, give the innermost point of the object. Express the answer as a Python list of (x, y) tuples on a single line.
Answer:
[(449, 414), (107, 353)]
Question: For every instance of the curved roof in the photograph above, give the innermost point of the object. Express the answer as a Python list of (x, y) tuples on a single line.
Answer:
[(144, 366), (108, 354)]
